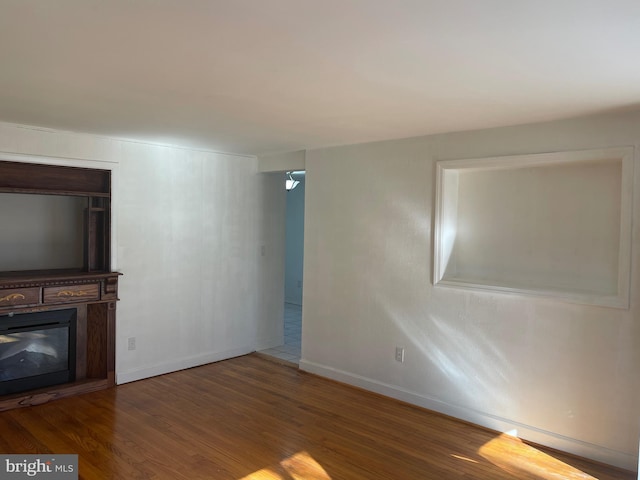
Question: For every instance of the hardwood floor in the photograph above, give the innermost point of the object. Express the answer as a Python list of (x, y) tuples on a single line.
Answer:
[(250, 418)]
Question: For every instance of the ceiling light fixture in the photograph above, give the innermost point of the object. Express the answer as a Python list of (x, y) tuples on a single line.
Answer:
[(290, 183)]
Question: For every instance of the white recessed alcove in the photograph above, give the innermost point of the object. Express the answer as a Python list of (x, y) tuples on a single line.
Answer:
[(552, 224)]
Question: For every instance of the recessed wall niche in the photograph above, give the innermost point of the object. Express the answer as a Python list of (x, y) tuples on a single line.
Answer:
[(41, 231), (553, 224)]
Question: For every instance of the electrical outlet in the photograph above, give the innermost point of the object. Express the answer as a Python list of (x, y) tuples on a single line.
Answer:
[(131, 343), (299, 283), (400, 354)]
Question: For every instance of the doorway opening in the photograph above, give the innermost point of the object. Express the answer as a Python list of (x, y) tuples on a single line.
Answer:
[(294, 253)]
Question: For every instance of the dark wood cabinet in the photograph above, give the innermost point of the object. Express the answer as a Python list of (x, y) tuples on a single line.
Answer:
[(92, 290)]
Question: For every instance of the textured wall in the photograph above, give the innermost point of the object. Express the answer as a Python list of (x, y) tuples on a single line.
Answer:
[(188, 231)]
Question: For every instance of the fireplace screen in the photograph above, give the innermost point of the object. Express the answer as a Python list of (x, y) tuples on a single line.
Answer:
[(37, 350)]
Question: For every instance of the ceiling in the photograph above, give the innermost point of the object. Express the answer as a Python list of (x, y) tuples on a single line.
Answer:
[(264, 76)]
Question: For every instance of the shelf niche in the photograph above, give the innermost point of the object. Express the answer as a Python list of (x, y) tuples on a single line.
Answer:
[(59, 217), (553, 224)]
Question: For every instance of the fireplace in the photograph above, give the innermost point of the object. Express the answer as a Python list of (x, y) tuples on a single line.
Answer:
[(37, 350), (57, 297)]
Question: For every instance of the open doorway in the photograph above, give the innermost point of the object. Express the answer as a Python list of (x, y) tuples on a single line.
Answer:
[(294, 254)]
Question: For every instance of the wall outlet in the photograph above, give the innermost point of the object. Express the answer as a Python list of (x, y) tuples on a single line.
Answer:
[(131, 343), (299, 283), (400, 354)]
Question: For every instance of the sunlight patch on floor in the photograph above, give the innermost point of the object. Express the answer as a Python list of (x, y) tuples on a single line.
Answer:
[(513, 455), (300, 466), (466, 459)]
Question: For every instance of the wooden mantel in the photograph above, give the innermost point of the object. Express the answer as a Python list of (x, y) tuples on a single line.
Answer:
[(94, 297)]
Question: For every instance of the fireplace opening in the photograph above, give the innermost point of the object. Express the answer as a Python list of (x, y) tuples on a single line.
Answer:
[(37, 350)]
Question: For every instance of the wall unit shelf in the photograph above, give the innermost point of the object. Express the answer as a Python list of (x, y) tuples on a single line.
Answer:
[(91, 289)]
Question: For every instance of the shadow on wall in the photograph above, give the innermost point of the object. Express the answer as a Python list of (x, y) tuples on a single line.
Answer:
[(491, 358), (462, 353)]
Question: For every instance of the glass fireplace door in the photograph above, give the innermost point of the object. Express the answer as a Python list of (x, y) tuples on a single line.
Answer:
[(37, 350)]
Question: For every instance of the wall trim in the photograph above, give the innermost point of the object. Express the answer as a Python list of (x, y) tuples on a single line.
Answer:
[(448, 191), (179, 364), (123, 140), (61, 161), (526, 432), (265, 343)]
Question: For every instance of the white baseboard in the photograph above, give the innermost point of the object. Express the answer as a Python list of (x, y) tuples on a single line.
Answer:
[(526, 432), (179, 364), (264, 343)]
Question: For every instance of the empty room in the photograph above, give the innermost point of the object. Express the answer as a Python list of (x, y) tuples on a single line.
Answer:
[(466, 295)]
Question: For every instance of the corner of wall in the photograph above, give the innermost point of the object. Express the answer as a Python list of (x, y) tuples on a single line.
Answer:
[(282, 162)]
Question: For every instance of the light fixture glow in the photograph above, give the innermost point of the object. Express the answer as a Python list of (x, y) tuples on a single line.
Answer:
[(290, 183)]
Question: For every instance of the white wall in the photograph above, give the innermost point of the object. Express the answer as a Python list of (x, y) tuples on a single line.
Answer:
[(188, 231), (528, 226), (271, 225), (282, 162), (560, 374), (294, 243)]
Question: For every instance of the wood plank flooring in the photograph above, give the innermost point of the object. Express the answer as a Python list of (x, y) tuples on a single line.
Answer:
[(250, 418)]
